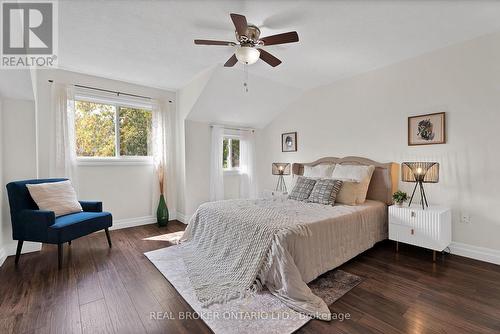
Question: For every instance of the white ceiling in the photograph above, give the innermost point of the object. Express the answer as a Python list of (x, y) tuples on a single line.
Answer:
[(151, 42), (225, 100)]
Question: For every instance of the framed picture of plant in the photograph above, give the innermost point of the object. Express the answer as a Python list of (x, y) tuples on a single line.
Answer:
[(289, 142), (427, 129)]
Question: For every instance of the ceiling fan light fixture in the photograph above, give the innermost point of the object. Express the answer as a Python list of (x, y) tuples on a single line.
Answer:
[(248, 43), (247, 55)]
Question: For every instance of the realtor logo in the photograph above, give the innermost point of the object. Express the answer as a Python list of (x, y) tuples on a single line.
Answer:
[(28, 34)]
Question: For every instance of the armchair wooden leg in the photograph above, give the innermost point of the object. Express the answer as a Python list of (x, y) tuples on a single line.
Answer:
[(18, 250), (60, 255), (107, 236)]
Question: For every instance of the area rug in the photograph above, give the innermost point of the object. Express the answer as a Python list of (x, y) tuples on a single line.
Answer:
[(334, 284), (262, 313)]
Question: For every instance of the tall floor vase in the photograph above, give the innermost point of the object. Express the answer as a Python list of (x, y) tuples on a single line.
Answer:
[(162, 212)]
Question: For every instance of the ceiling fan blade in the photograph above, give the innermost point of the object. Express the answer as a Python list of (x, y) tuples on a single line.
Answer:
[(231, 61), (211, 42), (269, 58), (287, 37), (240, 23)]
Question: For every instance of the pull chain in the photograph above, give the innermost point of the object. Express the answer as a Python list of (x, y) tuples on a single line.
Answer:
[(245, 81)]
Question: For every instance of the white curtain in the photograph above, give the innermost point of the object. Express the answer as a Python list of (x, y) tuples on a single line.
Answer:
[(161, 149), (216, 166), (63, 106), (248, 183)]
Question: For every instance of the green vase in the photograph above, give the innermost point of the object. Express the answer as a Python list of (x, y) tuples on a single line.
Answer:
[(162, 212)]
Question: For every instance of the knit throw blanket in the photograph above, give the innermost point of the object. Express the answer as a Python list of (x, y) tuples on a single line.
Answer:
[(228, 245)]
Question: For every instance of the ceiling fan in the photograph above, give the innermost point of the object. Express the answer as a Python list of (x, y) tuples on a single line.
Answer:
[(248, 45)]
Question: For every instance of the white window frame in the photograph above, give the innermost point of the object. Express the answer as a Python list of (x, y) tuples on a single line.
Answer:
[(230, 170), (117, 159)]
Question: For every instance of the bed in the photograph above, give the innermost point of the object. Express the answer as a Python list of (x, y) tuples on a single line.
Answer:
[(237, 247), (352, 229)]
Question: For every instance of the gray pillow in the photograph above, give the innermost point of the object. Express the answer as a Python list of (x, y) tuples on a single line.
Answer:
[(325, 191), (302, 189)]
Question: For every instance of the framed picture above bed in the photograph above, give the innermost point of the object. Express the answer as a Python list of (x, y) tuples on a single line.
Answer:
[(427, 129), (289, 142)]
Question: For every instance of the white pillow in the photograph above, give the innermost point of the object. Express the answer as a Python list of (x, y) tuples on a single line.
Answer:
[(323, 171), (352, 173), (353, 192), (59, 197)]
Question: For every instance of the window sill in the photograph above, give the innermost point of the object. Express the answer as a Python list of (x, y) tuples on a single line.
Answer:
[(129, 161), (230, 172)]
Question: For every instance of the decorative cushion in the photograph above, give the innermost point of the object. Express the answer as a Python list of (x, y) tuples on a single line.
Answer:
[(352, 173), (325, 191), (59, 197), (302, 188), (323, 171), (354, 193)]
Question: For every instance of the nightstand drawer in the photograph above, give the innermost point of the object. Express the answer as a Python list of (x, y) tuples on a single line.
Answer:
[(428, 228), (415, 236), (414, 217)]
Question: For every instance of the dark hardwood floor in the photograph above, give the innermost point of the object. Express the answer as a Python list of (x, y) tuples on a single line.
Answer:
[(101, 290)]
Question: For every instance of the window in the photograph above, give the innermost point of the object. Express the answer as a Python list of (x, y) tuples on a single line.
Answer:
[(111, 130), (231, 153)]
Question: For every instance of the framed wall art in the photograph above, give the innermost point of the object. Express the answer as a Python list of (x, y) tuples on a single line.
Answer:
[(427, 129), (289, 142)]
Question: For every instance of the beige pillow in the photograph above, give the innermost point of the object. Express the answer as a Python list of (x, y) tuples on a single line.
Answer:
[(59, 197), (354, 193)]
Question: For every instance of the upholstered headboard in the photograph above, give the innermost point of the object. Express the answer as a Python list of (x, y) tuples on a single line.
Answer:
[(384, 181)]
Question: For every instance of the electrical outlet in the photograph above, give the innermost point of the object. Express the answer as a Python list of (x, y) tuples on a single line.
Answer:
[(466, 219)]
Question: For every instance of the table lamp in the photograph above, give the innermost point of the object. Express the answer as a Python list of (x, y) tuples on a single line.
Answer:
[(280, 169), (420, 173)]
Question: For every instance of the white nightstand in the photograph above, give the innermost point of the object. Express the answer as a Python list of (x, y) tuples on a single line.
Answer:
[(274, 194), (429, 228)]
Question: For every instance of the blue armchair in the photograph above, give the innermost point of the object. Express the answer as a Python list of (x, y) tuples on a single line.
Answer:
[(31, 224)]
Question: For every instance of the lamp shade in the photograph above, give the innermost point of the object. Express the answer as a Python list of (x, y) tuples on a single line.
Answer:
[(247, 55), (281, 168), (426, 172)]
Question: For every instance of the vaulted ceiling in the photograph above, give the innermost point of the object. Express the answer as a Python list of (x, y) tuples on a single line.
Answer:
[(225, 100), (151, 42)]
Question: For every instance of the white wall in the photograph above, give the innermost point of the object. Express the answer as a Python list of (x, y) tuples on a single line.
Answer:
[(367, 115), (197, 189), (18, 158), (232, 186), (126, 190), (186, 99)]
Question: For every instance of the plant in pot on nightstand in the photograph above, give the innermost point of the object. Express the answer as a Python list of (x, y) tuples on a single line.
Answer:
[(162, 211), (399, 197)]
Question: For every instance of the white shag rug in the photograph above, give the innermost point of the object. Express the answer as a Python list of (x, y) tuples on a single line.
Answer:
[(262, 313)]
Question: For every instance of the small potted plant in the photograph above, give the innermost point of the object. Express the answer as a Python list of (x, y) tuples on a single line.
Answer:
[(400, 197)]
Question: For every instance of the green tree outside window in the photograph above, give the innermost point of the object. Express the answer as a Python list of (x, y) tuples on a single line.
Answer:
[(95, 128)]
